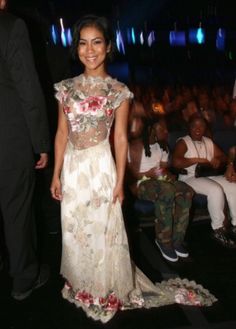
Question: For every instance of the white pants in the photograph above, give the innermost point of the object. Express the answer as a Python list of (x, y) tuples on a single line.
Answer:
[(216, 188)]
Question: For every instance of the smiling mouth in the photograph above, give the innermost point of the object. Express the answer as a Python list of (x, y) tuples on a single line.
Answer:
[(198, 135), (91, 59)]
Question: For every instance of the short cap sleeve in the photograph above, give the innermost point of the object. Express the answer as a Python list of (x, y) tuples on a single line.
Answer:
[(124, 93), (62, 89)]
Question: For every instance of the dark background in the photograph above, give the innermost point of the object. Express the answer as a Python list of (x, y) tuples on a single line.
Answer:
[(160, 63), (154, 12)]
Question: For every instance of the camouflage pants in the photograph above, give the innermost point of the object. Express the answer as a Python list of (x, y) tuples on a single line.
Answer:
[(172, 203)]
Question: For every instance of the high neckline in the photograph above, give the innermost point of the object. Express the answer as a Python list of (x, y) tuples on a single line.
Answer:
[(94, 78)]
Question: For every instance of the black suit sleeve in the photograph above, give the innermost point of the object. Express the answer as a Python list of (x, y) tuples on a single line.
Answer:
[(26, 81)]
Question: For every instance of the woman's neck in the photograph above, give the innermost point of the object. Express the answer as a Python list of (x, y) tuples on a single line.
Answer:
[(102, 73)]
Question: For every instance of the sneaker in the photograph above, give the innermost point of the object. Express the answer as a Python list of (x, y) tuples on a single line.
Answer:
[(220, 236), (40, 281), (167, 252), (181, 251)]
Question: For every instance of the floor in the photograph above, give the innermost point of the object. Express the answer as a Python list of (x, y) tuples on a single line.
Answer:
[(209, 264)]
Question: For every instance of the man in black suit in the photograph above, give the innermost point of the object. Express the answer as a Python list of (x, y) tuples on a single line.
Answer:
[(24, 133)]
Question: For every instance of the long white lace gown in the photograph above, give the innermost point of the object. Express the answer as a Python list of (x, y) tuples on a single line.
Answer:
[(96, 262)]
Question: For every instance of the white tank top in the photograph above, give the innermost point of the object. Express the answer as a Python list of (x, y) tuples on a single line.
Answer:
[(197, 149)]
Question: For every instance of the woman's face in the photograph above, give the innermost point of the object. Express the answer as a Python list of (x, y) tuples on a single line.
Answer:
[(92, 50), (197, 129)]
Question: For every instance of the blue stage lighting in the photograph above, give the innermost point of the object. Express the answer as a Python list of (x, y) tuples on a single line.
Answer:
[(133, 36), (69, 36), (120, 42), (141, 38), (197, 36), (220, 39), (63, 34), (54, 34), (177, 38), (128, 34), (151, 38)]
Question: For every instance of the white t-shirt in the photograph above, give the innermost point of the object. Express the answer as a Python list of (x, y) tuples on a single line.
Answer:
[(157, 155)]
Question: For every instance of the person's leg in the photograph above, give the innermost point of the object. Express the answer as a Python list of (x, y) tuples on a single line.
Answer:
[(16, 192), (162, 193), (183, 202), (215, 198), (230, 193), (216, 204)]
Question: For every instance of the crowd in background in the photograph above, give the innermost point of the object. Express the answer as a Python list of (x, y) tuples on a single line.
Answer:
[(178, 103), (200, 113)]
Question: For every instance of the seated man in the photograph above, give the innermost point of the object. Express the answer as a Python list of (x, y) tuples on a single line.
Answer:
[(148, 163), (194, 149)]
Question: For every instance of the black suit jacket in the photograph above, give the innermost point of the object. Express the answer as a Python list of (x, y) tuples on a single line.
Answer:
[(23, 118)]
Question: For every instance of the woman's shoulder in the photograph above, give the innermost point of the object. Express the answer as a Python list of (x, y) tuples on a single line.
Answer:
[(63, 88), (119, 91), (65, 84), (119, 85)]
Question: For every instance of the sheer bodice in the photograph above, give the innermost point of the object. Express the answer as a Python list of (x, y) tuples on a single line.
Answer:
[(89, 104)]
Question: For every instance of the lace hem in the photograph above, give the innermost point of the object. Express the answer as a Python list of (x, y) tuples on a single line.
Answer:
[(180, 291)]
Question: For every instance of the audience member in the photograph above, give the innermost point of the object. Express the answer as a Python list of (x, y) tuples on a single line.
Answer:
[(194, 149), (178, 120), (148, 163)]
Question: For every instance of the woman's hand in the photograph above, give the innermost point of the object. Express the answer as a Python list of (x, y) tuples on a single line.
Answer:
[(56, 189), (118, 194)]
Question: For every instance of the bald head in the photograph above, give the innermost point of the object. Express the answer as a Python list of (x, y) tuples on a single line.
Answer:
[(3, 4)]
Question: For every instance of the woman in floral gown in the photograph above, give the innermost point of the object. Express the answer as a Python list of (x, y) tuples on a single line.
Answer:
[(96, 264)]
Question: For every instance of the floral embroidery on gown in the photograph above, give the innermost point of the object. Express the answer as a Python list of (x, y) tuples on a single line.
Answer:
[(96, 264)]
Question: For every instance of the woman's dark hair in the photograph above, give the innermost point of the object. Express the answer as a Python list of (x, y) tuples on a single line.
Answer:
[(99, 22)]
